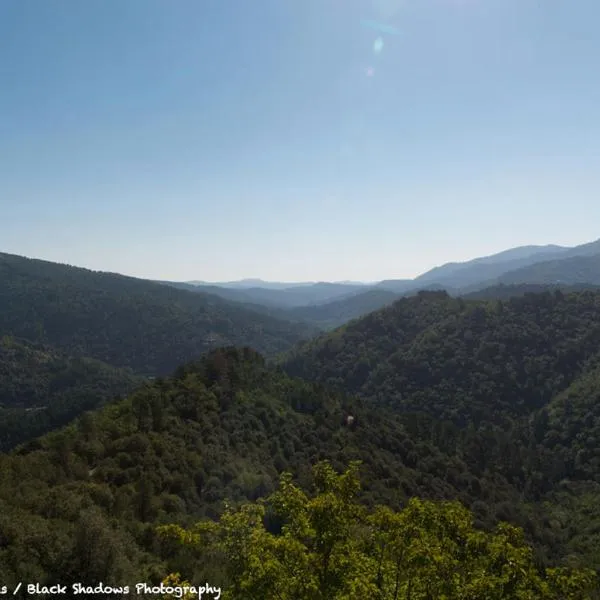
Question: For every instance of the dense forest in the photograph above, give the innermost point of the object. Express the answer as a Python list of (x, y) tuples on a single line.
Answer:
[(507, 291), (508, 386), (224, 429), (41, 389), (126, 322), (457, 360), (299, 546), (491, 402)]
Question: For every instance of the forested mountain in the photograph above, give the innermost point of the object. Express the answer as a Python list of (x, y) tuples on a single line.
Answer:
[(41, 389), (126, 322), (464, 361), (498, 268), (491, 402), (522, 265), (336, 313), (569, 271), (506, 291), (82, 504), (459, 275), (517, 375)]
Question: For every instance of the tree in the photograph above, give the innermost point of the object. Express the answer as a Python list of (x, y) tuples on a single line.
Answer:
[(330, 547)]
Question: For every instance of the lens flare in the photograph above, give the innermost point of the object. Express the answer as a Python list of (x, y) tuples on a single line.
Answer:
[(381, 27)]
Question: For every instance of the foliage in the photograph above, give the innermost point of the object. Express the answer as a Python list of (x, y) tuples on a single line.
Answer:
[(328, 546), (41, 390), (221, 429), (491, 403), (457, 360), (126, 322)]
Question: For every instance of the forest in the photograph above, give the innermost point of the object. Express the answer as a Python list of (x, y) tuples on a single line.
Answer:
[(127, 322), (478, 415)]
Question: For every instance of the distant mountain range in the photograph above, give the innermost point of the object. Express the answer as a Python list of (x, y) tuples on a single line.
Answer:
[(325, 302), (243, 284)]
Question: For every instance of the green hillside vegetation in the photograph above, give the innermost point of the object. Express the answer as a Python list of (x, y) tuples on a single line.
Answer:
[(327, 545), (509, 387), (40, 389), (225, 428), (126, 322), (506, 291), (459, 360)]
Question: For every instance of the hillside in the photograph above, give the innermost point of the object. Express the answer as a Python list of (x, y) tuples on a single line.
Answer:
[(287, 298), (484, 268), (336, 313), (126, 322), (569, 271), (224, 428), (513, 266), (506, 291), (457, 359), (323, 316), (41, 389), (486, 271)]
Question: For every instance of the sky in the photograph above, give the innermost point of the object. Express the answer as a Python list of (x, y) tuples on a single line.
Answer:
[(296, 140)]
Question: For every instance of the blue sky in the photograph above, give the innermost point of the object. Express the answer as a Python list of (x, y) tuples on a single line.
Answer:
[(222, 139)]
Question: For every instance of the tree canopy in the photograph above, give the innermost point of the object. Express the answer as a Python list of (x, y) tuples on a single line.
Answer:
[(326, 545)]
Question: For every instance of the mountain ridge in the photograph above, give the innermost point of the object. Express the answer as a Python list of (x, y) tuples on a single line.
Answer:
[(455, 277), (125, 321)]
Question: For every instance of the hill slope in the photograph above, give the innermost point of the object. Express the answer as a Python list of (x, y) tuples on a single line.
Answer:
[(488, 267), (41, 389), (569, 271), (335, 313), (456, 359), (225, 427), (505, 291), (149, 327), (490, 270)]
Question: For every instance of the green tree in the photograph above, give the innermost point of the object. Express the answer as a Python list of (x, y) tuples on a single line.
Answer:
[(330, 547)]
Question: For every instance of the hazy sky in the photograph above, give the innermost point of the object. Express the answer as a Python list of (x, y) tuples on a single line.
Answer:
[(221, 139)]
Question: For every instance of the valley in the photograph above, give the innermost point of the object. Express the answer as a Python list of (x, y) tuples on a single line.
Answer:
[(489, 399)]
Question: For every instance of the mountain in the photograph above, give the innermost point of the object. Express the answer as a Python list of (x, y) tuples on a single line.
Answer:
[(269, 285), (337, 312), (127, 322), (489, 270), (455, 278), (290, 297), (42, 389), (506, 291), (517, 374), (83, 503), (430, 353), (584, 249), (242, 284), (573, 270), (399, 286), (458, 275)]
